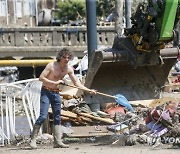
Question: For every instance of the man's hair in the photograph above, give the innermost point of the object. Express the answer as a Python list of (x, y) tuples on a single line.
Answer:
[(64, 52)]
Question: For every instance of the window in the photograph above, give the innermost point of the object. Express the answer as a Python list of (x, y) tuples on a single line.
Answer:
[(26, 8), (19, 9), (3, 8), (33, 7), (29, 7)]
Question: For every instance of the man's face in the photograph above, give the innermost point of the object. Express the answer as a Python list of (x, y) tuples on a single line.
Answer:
[(65, 59)]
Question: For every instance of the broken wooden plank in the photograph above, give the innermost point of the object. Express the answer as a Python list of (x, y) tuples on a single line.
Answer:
[(66, 113), (89, 131), (106, 120), (63, 118), (86, 116), (86, 119)]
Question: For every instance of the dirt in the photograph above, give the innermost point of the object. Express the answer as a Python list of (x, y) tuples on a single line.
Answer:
[(89, 148)]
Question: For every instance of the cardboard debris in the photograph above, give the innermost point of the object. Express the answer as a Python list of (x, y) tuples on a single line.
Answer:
[(161, 101)]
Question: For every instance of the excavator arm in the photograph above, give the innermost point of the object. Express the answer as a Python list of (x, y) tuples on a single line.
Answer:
[(138, 63), (154, 25)]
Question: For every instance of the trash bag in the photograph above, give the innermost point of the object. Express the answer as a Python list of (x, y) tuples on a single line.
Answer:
[(121, 100)]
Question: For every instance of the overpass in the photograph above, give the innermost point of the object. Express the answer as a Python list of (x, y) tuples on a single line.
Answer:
[(44, 42)]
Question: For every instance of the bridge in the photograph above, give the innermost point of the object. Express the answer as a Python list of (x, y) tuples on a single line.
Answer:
[(44, 42)]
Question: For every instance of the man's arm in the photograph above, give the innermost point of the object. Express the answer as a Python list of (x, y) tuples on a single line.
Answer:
[(77, 83)]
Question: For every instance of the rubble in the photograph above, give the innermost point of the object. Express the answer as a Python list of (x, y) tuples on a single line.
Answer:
[(155, 123), (8, 74), (156, 119)]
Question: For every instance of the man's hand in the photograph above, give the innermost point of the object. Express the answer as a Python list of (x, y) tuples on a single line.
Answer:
[(59, 82), (92, 91)]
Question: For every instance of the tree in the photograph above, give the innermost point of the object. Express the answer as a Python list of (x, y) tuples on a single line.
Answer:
[(105, 7), (76, 9), (71, 10)]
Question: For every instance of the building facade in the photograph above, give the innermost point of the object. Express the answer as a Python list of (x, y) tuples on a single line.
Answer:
[(24, 13)]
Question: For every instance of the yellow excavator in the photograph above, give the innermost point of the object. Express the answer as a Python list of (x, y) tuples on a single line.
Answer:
[(139, 62)]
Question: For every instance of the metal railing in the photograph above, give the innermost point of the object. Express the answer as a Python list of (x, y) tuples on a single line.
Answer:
[(27, 94)]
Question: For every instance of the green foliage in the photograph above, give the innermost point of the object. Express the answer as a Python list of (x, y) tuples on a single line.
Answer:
[(71, 10), (105, 7), (76, 9)]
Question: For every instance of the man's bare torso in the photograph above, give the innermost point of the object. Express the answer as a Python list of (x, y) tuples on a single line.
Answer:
[(55, 73)]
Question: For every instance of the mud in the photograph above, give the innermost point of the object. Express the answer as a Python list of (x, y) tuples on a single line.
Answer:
[(89, 148)]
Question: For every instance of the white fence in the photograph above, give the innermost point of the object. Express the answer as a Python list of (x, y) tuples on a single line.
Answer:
[(27, 93)]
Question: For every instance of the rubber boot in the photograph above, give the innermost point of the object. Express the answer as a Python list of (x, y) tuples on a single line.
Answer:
[(34, 136), (57, 137)]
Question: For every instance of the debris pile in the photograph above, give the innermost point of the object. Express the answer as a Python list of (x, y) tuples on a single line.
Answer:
[(173, 80), (8, 74), (157, 123)]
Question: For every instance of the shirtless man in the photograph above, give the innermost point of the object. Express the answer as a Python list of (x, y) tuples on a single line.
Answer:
[(51, 77)]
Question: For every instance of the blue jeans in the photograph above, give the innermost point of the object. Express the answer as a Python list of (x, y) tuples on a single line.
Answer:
[(47, 98)]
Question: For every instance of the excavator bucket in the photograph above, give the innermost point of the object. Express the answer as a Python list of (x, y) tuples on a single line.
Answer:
[(124, 70), (139, 62)]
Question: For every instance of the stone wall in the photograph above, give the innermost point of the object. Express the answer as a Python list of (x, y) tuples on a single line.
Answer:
[(46, 41)]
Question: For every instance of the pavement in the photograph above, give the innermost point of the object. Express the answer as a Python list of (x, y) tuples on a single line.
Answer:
[(88, 148)]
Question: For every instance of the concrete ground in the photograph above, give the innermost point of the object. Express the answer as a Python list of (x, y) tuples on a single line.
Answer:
[(88, 148)]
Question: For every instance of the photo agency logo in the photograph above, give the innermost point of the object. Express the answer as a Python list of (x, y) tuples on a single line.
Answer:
[(165, 140)]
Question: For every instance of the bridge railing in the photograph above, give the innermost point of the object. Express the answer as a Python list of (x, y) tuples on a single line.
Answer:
[(14, 40)]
